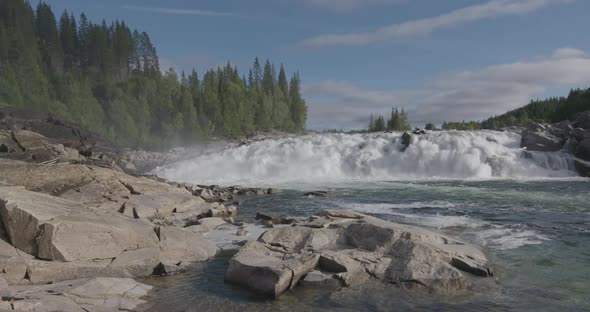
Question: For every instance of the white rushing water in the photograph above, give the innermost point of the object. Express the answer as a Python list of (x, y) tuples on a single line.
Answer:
[(322, 158)]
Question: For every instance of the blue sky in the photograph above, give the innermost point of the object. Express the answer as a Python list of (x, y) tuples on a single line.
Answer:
[(448, 60)]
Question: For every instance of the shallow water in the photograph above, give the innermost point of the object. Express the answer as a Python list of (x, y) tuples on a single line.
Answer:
[(536, 233)]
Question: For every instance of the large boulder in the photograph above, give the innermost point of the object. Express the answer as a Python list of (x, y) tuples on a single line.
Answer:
[(264, 270), (582, 120), (541, 142), (89, 237), (351, 247), (582, 152), (23, 212)]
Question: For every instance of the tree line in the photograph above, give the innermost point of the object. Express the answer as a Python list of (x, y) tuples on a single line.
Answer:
[(107, 78), (398, 121), (550, 110)]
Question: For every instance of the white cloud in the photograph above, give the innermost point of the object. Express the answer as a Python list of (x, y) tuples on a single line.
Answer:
[(426, 26), (177, 11), (347, 5), (568, 53), (348, 92), (467, 95)]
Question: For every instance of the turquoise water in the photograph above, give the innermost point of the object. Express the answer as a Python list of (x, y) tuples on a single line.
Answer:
[(536, 234)]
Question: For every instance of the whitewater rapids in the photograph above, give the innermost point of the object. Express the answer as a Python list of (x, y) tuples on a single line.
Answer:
[(329, 158)]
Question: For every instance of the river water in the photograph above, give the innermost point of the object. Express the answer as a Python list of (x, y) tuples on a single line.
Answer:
[(529, 212)]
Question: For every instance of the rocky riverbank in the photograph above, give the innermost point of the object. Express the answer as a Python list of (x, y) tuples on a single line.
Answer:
[(77, 224)]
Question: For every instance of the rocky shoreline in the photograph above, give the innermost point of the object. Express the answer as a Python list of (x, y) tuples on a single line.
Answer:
[(77, 226)]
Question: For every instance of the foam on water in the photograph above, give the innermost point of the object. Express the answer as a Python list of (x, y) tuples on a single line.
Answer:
[(507, 238), (387, 207), (370, 157), (487, 234)]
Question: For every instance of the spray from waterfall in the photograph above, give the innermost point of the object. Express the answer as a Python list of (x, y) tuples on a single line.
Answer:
[(371, 157)]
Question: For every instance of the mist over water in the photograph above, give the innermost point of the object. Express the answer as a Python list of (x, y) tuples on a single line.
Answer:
[(344, 158)]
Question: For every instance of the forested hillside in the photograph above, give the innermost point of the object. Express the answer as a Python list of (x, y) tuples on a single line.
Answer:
[(549, 110), (107, 77)]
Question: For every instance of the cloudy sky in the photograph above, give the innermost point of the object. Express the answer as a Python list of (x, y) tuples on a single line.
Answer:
[(448, 60)]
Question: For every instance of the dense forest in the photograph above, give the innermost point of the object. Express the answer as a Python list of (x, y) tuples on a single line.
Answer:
[(463, 125), (548, 111), (107, 78), (397, 122)]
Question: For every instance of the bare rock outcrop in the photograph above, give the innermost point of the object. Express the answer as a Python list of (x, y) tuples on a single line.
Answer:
[(350, 248)]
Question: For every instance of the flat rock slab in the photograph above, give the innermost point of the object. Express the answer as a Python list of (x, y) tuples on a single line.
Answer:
[(352, 247), (82, 295)]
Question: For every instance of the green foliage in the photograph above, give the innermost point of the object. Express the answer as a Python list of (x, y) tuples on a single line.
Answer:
[(108, 78), (464, 125), (550, 110), (430, 126), (397, 122)]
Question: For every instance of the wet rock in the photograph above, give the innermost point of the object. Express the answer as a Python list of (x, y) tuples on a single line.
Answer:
[(317, 194), (242, 231), (355, 248), (406, 140), (541, 142), (582, 120), (273, 220)]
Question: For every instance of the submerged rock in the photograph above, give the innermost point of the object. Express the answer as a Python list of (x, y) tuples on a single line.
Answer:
[(352, 247)]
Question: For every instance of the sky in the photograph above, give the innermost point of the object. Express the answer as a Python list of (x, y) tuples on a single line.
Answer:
[(450, 60)]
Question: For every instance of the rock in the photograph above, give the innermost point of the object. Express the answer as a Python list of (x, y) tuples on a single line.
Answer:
[(105, 189), (419, 132), (274, 220), (406, 140), (535, 127), (343, 214), (317, 194), (44, 272), (222, 212), (179, 245), (135, 263), (97, 294), (541, 142), (89, 236), (15, 270), (320, 279), (352, 249), (582, 120), (561, 129), (101, 288), (583, 150), (3, 283), (47, 303), (23, 212), (258, 268), (242, 231), (211, 223), (580, 134)]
